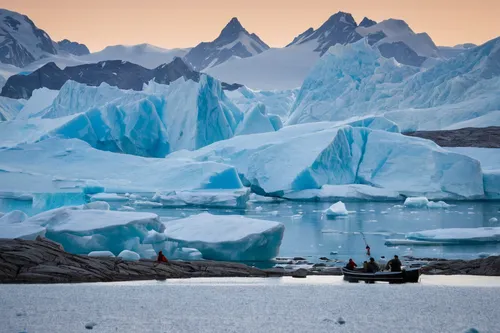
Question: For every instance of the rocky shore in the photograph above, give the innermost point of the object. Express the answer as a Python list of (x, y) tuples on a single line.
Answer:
[(488, 137), (43, 261)]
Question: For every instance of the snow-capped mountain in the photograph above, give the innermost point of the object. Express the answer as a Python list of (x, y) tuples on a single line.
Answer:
[(21, 42), (73, 47), (233, 41), (340, 28)]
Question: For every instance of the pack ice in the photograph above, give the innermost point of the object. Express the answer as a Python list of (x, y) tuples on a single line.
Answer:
[(355, 80), (227, 237), (309, 156), (154, 122), (84, 229), (457, 235)]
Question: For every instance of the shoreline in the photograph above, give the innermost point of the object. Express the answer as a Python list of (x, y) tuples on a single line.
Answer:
[(44, 261)]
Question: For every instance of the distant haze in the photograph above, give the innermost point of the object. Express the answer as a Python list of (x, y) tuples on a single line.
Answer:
[(185, 23)]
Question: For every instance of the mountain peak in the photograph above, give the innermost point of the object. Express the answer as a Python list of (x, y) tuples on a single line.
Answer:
[(366, 22), (341, 17), (232, 29)]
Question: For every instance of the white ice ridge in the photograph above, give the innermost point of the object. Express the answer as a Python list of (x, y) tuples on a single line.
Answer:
[(309, 156), (337, 209), (227, 237), (457, 235), (74, 166)]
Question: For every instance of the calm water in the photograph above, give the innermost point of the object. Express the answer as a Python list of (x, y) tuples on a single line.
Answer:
[(309, 233), (315, 304)]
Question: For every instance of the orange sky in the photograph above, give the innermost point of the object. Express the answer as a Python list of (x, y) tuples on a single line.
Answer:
[(185, 23)]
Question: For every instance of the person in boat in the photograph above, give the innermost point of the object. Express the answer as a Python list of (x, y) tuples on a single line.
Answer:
[(372, 266), (365, 266), (351, 265), (161, 257), (394, 264)]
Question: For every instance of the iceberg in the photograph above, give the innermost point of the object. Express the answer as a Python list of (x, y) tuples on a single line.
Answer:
[(39, 100), (204, 198), (10, 108), (81, 229), (352, 192), (258, 121), (457, 235), (128, 255), (70, 166), (15, 216), (416, 202), (101, 254), (355, 80), (109, 197), (337, 209), (309, 156), (153, 122), (227, 237)]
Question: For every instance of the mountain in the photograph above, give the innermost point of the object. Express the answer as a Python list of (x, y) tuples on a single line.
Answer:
[(122, 74), (21, 42), (366, 23), (340, 28), (233, 41), (356, 81), (73, 47)]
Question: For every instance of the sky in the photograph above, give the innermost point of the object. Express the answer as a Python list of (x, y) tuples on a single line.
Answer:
[(185, 23)]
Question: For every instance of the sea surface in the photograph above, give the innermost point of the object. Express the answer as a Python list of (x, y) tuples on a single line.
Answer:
[(315, 304), (309, 234)]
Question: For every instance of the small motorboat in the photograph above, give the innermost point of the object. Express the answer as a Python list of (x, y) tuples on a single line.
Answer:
[(405, 276)]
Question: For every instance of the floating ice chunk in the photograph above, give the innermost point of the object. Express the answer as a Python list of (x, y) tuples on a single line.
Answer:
[(493, 220), (438, 204), (337, 209), (255, 198), (147, 204), (205, 198), (128, 255), (16, 216), (416, 202), (258, 209), (101, 254), (274, 213), (186, 253), (458, 235), (80, 230), (398, 242), (109, 197), (126, 209), (99, 205), (339, 192), (227, 237)]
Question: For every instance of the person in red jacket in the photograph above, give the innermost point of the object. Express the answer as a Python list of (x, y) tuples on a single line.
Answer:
[(161, 257), (351, 265)]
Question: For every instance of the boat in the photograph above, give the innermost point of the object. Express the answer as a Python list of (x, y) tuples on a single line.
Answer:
[(405, 276)]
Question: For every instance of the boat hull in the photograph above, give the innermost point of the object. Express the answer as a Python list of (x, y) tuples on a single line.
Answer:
[(405, 276)]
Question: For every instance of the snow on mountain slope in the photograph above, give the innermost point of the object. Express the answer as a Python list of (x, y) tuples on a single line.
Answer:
[(154, 122), (234, 40), (340, 28), (9, 108), (146, 55), (21, 42), (399, 31), (339, 88), (278, 68), (309, 156), (68, 166)]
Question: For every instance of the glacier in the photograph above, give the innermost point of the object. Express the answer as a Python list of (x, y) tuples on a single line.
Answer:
[(439, 97), (152, 123), (227, 237), (70, 166), (276, 163), (10, 108), (258, 121)]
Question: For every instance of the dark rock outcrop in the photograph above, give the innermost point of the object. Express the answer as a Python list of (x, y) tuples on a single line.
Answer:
[(488, 137), (402, 53), (488, 266), (43, 261), (73, 47), (122, 74)]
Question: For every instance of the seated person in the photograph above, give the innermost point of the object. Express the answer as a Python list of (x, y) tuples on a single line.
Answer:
[(351, 265), (394, 264), (161, 257), (372, 266)]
